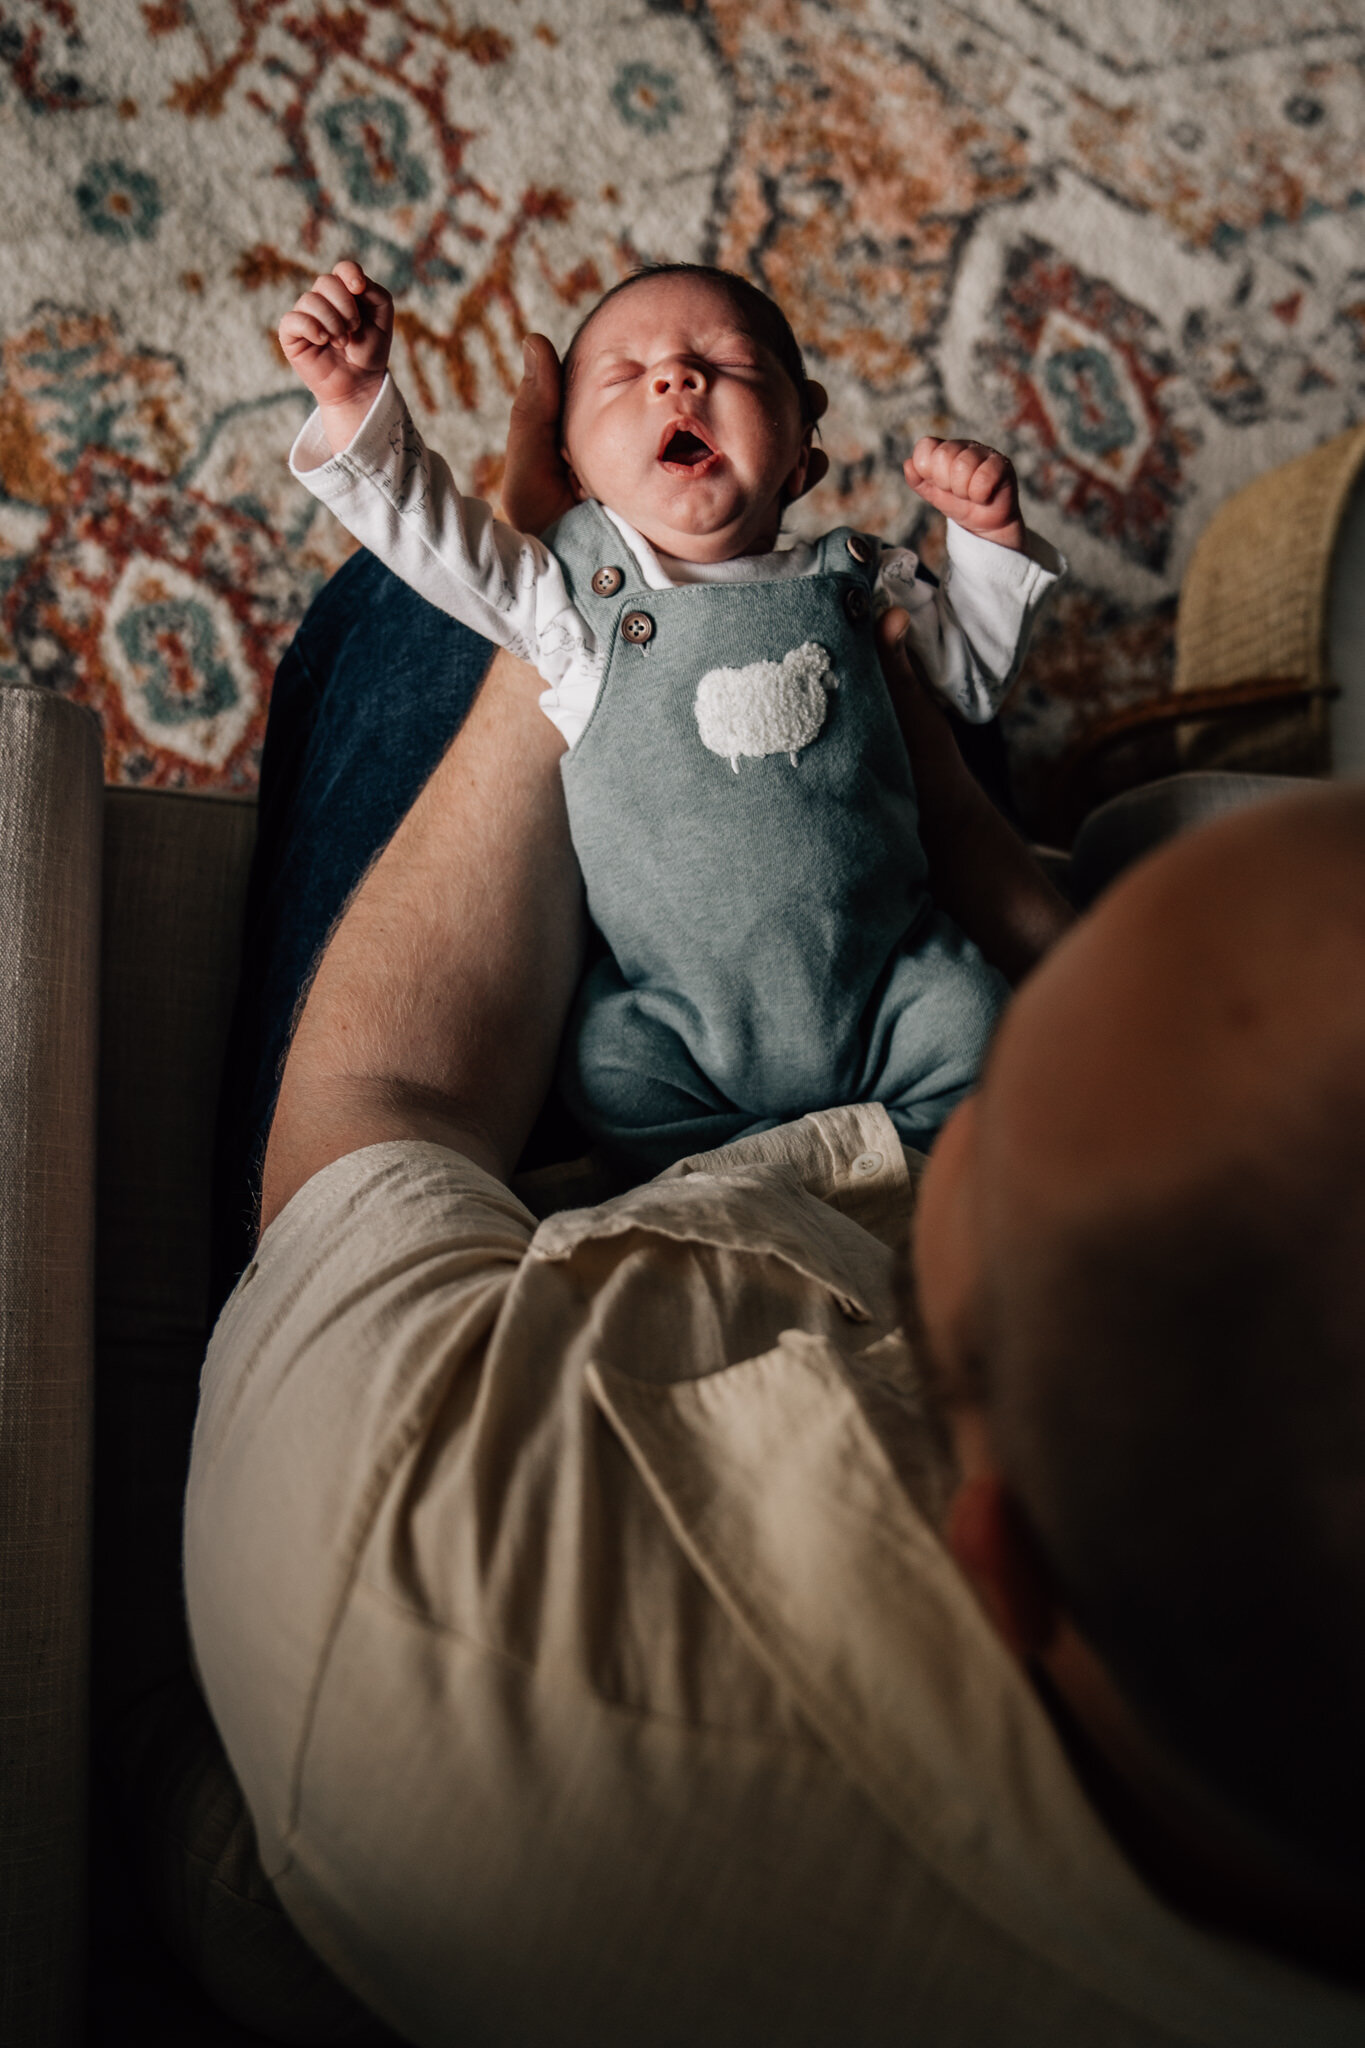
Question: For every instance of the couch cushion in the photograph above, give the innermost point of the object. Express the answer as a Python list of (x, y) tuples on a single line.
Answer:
[(175, 870), (49, 900), (175, 875)]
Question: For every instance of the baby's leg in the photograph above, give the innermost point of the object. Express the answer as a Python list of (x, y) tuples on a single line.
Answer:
[(627, 1075), (928, 1029)]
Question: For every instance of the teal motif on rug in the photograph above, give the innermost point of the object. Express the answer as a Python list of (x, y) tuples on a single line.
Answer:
[(174, 647), (370, 138), (647, 98), (122, 204), (1083, 381)]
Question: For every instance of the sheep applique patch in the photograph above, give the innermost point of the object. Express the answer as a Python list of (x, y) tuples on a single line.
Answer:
[(770, 707)]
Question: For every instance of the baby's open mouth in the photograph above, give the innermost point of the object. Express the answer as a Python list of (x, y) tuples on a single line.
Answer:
[(682, 449)]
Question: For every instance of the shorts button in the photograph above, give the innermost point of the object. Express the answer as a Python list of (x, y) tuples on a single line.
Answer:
[(866, 1164), (637, 627), (856, 604), (607, 582), (858, 548)]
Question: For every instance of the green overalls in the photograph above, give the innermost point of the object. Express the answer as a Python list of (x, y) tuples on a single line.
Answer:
[(750, 850)]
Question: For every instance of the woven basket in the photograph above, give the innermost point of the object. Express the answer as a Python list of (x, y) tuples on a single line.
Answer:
[(1254, 605)]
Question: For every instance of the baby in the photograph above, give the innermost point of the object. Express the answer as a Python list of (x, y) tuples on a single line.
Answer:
[(738, 790)]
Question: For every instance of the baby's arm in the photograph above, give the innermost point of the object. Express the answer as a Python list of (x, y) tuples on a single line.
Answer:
[(362, 456), (969, 635)]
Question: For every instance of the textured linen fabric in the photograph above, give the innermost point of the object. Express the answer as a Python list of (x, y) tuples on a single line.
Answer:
[(50, 791), (569, 1601)]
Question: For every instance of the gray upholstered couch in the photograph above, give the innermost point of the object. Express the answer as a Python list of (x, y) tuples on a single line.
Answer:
[(120, 914)]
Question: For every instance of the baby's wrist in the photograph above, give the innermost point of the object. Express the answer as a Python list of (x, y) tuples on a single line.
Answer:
[(342, 418), (1012, 535)]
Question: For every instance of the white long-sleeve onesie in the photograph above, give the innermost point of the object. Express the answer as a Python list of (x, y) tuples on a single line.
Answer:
[(400, 501)]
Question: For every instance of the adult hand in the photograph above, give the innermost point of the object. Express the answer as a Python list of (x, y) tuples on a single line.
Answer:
[(536, 488), (980, 871), (535, 483)]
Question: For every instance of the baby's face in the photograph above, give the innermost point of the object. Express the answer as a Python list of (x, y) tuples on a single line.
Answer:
[(683, 423)]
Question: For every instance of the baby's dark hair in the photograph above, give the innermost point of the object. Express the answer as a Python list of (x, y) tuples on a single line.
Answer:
[(762, 316)]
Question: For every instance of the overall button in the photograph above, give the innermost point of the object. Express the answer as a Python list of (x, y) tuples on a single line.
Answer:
[(637, 627), (866, 1164), (607, 582), (860, 549), (857, 604)]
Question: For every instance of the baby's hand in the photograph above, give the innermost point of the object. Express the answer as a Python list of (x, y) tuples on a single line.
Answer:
[(972, 485), (337, 339)]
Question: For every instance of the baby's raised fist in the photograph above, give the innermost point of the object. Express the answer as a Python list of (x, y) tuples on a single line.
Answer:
[(970, 484), (337, 336)]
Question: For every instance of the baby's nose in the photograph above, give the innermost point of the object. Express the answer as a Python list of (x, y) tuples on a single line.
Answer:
[(677, 373)]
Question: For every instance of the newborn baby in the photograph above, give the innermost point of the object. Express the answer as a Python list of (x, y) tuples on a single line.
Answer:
[(738, 789)]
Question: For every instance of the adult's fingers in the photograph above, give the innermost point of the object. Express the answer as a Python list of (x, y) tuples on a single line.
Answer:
[(535, 483), (893, 649), (934, 758), (535, 409)]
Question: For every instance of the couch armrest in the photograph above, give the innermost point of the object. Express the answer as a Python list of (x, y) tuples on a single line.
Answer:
[(50, 840)]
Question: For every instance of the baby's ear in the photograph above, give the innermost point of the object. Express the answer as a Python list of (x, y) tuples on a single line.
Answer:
[(815, 459), (811, 464), (579, 494)]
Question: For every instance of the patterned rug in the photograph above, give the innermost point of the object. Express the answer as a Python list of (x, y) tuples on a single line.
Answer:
[(1124, 239)]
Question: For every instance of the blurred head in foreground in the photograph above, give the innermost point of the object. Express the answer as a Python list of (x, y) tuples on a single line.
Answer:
[(1141, 1271)]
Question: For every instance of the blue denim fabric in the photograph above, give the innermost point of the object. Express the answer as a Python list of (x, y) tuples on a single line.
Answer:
[(365, 701)]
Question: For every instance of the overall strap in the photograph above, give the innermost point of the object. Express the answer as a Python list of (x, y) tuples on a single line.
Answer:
[(599, 568), (846, 552)]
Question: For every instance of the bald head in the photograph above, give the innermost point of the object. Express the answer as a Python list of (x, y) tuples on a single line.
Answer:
[(1142, 1251)]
